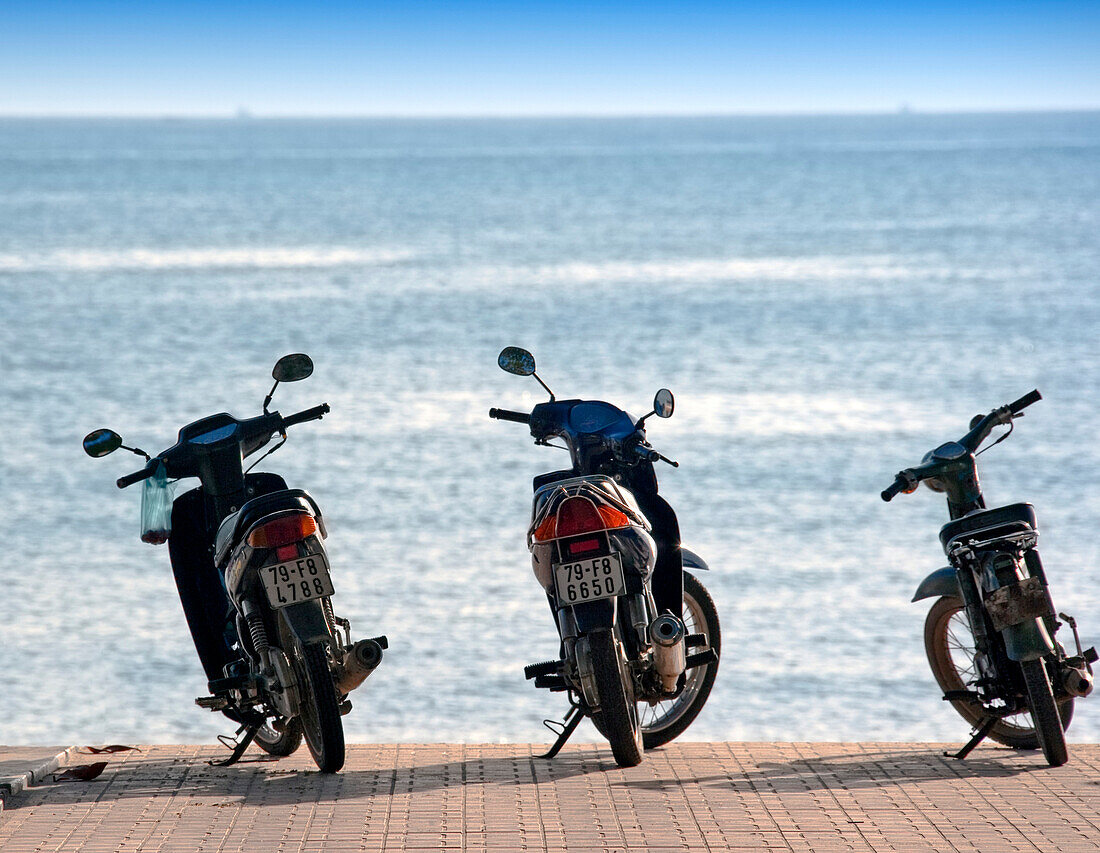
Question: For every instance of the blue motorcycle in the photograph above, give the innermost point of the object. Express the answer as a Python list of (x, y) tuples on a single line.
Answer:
[(639, 634)]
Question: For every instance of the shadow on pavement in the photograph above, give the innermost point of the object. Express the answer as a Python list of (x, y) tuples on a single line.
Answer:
[(257, 780), (853, 771)]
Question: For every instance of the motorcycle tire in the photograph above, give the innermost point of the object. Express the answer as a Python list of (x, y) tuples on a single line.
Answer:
[(320, 707), (280, 743), (1044, 713), (950, 649), (618, 714), (668, 719)]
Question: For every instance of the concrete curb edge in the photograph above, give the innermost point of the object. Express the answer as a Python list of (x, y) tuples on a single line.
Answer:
[(12, 785)]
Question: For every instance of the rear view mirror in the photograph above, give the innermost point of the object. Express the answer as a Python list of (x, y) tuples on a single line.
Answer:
[(102, 442), (516, 360), (663, 404), (291, 368)]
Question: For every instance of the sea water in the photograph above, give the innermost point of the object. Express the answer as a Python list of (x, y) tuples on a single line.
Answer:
[(828, 298)]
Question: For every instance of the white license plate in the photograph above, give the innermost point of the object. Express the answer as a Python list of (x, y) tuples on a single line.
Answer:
[(304, 579), (589, 580)]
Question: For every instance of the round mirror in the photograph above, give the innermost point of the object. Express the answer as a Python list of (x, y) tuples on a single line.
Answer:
[(101, 442), (291, 368), (516, 360), (663, 404)]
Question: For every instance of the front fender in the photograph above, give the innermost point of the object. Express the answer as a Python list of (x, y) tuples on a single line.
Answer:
[(941, 582), (693, 561)]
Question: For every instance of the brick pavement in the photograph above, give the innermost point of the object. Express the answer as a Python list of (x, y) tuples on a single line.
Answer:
[(687, 797)]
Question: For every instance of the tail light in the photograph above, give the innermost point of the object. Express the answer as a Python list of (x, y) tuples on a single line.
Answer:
[(579, 515), (283, 531)]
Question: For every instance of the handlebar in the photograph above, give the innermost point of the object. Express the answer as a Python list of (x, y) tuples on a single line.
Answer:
[(316, 413), (137, 476), (505, 415), (1025, 401), (899, 485)]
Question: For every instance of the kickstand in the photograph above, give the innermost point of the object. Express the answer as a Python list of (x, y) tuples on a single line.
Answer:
[(239, 746), (567, 727), (985, 728)]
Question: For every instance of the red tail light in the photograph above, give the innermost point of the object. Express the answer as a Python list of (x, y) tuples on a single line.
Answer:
[(579, 515), (283, 531)]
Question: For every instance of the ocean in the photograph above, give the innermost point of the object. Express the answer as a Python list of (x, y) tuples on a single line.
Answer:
[(828, 298)]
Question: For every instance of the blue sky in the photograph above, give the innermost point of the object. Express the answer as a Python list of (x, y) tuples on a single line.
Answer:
[(497, 58)]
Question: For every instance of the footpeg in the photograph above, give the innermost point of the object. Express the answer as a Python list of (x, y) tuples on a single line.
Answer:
[(701, 658), (549, 667), (553, 683), (694, 641), (214, 703)]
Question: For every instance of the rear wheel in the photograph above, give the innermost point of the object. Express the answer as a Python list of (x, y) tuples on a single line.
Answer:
[(949, 643), (669, 718), (617, 718), (1048, 725), (320, 708)]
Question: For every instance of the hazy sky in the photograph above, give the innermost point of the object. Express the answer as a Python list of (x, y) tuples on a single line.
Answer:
[(479, 58)]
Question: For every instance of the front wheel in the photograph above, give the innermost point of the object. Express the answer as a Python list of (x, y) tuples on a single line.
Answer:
[(617, 718), (320, 708), (281, 741), (668, 719), (1048, 725), (950, 646)]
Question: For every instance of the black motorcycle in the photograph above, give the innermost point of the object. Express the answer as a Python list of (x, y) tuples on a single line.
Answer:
[(606, 548), (990, 636), (250, 565)]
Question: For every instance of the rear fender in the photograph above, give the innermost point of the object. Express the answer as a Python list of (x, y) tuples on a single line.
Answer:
[(1027, 641), (595, 615), (941, 582), (306, 622)]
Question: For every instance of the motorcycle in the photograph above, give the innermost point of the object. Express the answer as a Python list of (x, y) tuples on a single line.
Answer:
[(606, 549), (990, 634), (253, 576)]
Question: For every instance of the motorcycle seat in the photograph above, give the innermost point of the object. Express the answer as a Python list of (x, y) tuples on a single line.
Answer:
[(235, 525), (999, 521)]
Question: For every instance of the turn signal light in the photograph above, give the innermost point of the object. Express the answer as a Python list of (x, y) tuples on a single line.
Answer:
[(579, 515), (283, 531)]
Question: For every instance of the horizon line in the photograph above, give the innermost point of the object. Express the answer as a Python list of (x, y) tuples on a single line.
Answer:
[(244, 114)]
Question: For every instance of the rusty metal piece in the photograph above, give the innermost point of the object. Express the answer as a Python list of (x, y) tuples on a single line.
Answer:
[(1018, 602)]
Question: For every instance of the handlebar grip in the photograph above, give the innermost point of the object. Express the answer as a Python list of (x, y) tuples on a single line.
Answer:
[(897, 486), (505, 415), (137, 476), (1025, 401), (313, 414)]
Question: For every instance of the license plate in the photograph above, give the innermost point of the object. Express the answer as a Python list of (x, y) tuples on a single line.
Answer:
[(304, 579), (589, 580)]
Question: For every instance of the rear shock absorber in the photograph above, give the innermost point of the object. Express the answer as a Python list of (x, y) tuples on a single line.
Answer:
[(257, 632)]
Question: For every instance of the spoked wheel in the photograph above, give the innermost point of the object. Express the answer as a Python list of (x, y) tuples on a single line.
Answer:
[(320, 709), (282, 743), (617, 718), (949, 643), (669, 718), (1044, 713)]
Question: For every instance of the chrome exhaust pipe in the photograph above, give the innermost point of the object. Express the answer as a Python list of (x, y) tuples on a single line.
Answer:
[(360, 660), (1077, 682), (669, 658)]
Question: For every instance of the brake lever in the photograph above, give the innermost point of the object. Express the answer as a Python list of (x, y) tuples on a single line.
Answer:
[(669, 461)]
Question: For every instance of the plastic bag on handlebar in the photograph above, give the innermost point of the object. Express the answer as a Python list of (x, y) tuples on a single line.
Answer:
[(156, 508)]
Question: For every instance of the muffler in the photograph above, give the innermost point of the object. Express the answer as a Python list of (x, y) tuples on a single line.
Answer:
[(669, 658), (1077, 681), (360, 660)]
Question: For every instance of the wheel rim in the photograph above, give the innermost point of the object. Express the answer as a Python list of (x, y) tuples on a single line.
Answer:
[(961, 652), (665, 713)]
